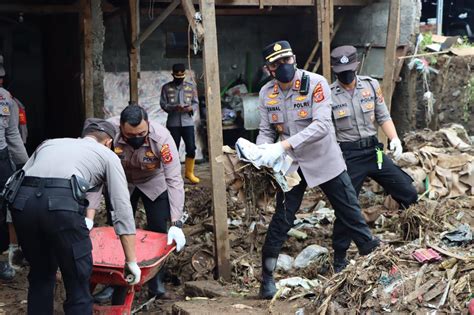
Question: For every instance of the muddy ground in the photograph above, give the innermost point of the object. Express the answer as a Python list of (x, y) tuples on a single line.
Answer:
[(245, 243)]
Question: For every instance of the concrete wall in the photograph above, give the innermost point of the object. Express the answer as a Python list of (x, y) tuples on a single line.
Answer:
[(237, 36), (369, 24)]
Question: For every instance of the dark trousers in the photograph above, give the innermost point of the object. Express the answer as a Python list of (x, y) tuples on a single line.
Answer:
[(349, 224), (187, 133), (6, 170), (362, 163), (158, 214), (52, 232)]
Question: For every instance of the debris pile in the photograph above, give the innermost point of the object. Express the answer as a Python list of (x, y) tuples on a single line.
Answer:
[(389, 280), (441, 163), (426, 263)]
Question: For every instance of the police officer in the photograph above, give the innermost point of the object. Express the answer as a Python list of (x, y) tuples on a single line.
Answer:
[(358, 108), (295, 111), (50, 219), (151, 163), (179, 99), (12, 152)]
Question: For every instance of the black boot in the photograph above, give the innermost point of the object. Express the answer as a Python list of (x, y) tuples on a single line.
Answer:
[(156, 286), (6, 271), (104, 296), (267, 286), (369, 247), (340, 262)]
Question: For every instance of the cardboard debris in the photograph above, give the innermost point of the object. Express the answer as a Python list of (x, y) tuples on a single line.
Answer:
[(441, 162)]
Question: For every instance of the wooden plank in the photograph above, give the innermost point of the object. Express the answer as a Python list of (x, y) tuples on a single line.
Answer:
[(152, 27), (41, 9), (390, 60), (190, 12), (421, 290), (311, 55), (274, 3), (326, 30), (214, 134), (133, 53), (318, 62), (88, 85)]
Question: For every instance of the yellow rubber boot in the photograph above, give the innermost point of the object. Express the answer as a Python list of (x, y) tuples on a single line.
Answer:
[(189, 171)]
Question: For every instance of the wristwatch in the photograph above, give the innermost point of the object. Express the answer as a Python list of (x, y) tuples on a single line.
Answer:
[(178, 224)]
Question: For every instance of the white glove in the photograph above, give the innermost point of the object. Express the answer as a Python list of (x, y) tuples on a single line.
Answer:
[(396, 147), (176, 234), (15, 256), (89, 223), (132, 272), (271, 152)]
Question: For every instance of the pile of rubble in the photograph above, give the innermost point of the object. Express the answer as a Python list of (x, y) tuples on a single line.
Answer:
[(426, 263), (441, 163)]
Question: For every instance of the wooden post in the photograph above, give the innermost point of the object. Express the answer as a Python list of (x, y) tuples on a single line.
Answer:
[(214, 134), (88, 83), (133, 53), (390, 59), (326, 30), (189, 11), (160, 19)]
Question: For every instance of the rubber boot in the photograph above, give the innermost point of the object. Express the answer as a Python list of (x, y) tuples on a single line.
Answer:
[(189, 171), (267, 286), (6, 271), (340, 262), (158, 289)]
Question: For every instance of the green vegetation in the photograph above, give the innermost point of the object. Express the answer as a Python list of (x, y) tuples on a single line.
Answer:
[(470, 100), (465, 43)]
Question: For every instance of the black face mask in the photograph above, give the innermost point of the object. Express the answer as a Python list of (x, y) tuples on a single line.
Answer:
[(178, 81), (346, 77), (136, 142), (285, 72)]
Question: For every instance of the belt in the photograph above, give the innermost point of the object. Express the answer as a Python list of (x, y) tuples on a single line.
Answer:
[(363, 143), (4, 155), (32, 181)]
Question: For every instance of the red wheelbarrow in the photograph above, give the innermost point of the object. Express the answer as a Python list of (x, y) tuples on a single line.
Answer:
[(108, 263)]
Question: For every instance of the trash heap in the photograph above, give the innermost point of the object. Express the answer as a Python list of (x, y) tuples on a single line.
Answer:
[(426, 262), (441, 163)]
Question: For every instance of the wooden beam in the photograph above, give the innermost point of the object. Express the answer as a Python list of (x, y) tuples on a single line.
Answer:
[(133, 53), (152, 27), (41, 9), (214, 134), (326, 31), (88, 82), (390, 59), (316, 47), (274, 3), (190, 12)]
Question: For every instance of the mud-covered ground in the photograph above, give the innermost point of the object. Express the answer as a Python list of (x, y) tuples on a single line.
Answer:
[(246, 235)]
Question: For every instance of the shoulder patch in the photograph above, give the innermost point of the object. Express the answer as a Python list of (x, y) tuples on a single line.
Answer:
[(166, 155), (318, 93)]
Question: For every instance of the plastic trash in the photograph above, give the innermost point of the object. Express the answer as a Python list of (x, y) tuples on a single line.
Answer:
[(300, 235), (309, 255), (298, 282), (285, 262), (460, 236)]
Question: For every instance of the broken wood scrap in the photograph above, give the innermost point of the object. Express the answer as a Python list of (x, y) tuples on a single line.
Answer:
[(420, 291)]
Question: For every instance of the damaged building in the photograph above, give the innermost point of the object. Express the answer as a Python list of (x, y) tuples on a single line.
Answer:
[(68, 60)]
